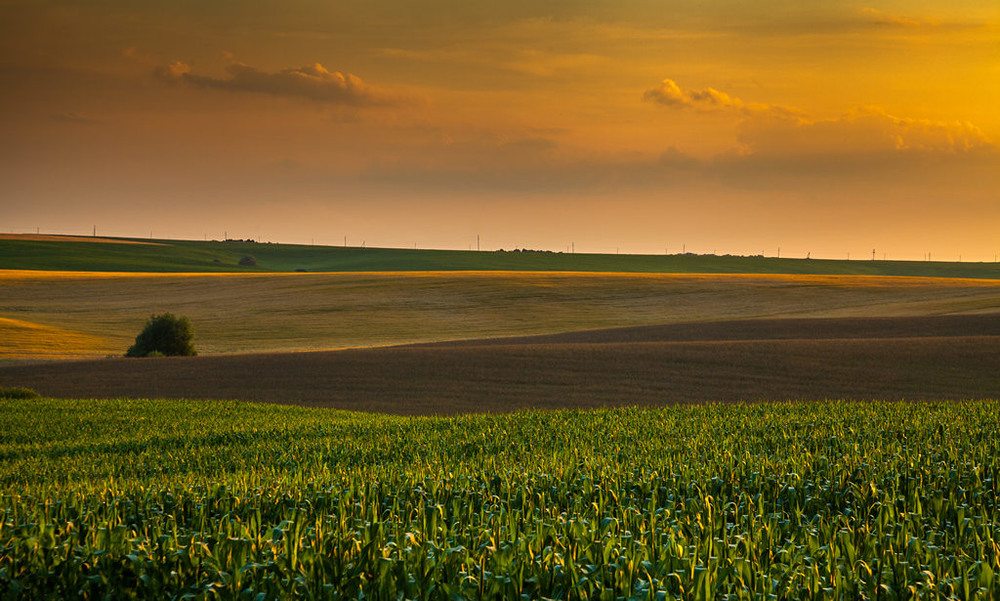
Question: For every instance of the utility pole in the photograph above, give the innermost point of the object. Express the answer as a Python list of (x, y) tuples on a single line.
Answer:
[(345, 241), (477, 242), (572, 245), (779, 252), (95, 231), (873, 254)]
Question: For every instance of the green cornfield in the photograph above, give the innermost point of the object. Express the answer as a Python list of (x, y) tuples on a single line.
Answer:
[(122, 499)]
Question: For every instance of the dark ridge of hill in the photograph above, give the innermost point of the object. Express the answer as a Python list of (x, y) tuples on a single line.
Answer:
[(53, 253), (494, 377)]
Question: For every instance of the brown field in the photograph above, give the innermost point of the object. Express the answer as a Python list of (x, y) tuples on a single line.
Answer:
[(911, 358)]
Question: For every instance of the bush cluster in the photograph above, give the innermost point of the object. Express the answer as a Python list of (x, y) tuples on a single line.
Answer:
[(164, 336), (19, 394)]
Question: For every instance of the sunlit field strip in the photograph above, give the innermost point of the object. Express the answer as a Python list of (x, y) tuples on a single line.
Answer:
[(23, 274), (26, 339)]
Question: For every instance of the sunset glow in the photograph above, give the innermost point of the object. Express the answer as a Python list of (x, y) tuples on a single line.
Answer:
[(828, 128)]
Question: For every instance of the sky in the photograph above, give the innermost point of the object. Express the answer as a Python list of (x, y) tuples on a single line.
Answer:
[(827, 128)]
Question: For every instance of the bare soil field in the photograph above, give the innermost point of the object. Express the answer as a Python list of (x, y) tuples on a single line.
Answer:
[(901, 358)]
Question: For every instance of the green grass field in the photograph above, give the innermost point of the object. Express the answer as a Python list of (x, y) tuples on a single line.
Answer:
[(114, 499), (209, 257)]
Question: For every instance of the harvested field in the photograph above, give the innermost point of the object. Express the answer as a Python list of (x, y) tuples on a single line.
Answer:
[(61, 238), (238, 313), (947, 357)]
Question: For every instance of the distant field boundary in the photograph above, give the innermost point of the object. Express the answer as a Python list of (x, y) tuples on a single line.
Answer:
[(818, 278), (81, 254), (66, 238)]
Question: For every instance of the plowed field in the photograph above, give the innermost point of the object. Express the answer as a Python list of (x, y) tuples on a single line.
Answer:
[(943, 357)]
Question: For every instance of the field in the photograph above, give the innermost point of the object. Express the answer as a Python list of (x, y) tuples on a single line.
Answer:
[(46, 315), (945, 357), (108, 499), (55, 253), (504, 426)]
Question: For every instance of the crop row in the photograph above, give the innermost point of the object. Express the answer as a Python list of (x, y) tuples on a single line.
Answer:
[(166, 499)]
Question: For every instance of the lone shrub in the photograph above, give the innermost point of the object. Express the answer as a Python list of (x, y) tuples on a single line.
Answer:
[(19, 394), (164, 335), (248, 261)]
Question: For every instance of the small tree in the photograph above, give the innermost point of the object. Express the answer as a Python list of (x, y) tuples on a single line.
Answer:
[(164, 335), (248, 261)]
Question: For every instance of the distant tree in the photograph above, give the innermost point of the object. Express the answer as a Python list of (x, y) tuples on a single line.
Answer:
[(248, 261), (164, 335)]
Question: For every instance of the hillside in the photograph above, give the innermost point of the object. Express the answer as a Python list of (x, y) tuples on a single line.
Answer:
[(53, 253)]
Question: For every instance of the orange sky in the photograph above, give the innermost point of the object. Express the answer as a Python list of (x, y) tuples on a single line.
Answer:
[(646, 126)]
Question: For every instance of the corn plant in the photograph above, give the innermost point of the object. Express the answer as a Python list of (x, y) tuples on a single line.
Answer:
[(116, 499)]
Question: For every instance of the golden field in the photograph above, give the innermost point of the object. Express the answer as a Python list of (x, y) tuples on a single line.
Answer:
[(48, 315)]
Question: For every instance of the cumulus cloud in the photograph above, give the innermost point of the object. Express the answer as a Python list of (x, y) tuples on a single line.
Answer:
[(774, 130), (669, 94), (866, 130), (312, 82)]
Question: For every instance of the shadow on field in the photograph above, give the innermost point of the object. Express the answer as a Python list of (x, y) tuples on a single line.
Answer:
[(939, 357)]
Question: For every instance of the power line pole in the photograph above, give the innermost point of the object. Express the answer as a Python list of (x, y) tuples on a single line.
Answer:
[(477, 242)]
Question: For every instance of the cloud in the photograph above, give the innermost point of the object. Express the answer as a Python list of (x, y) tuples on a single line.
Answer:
[(776, 130), (668, 93), (878, 17), (311, 82), (866, 130), (708, 100)]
